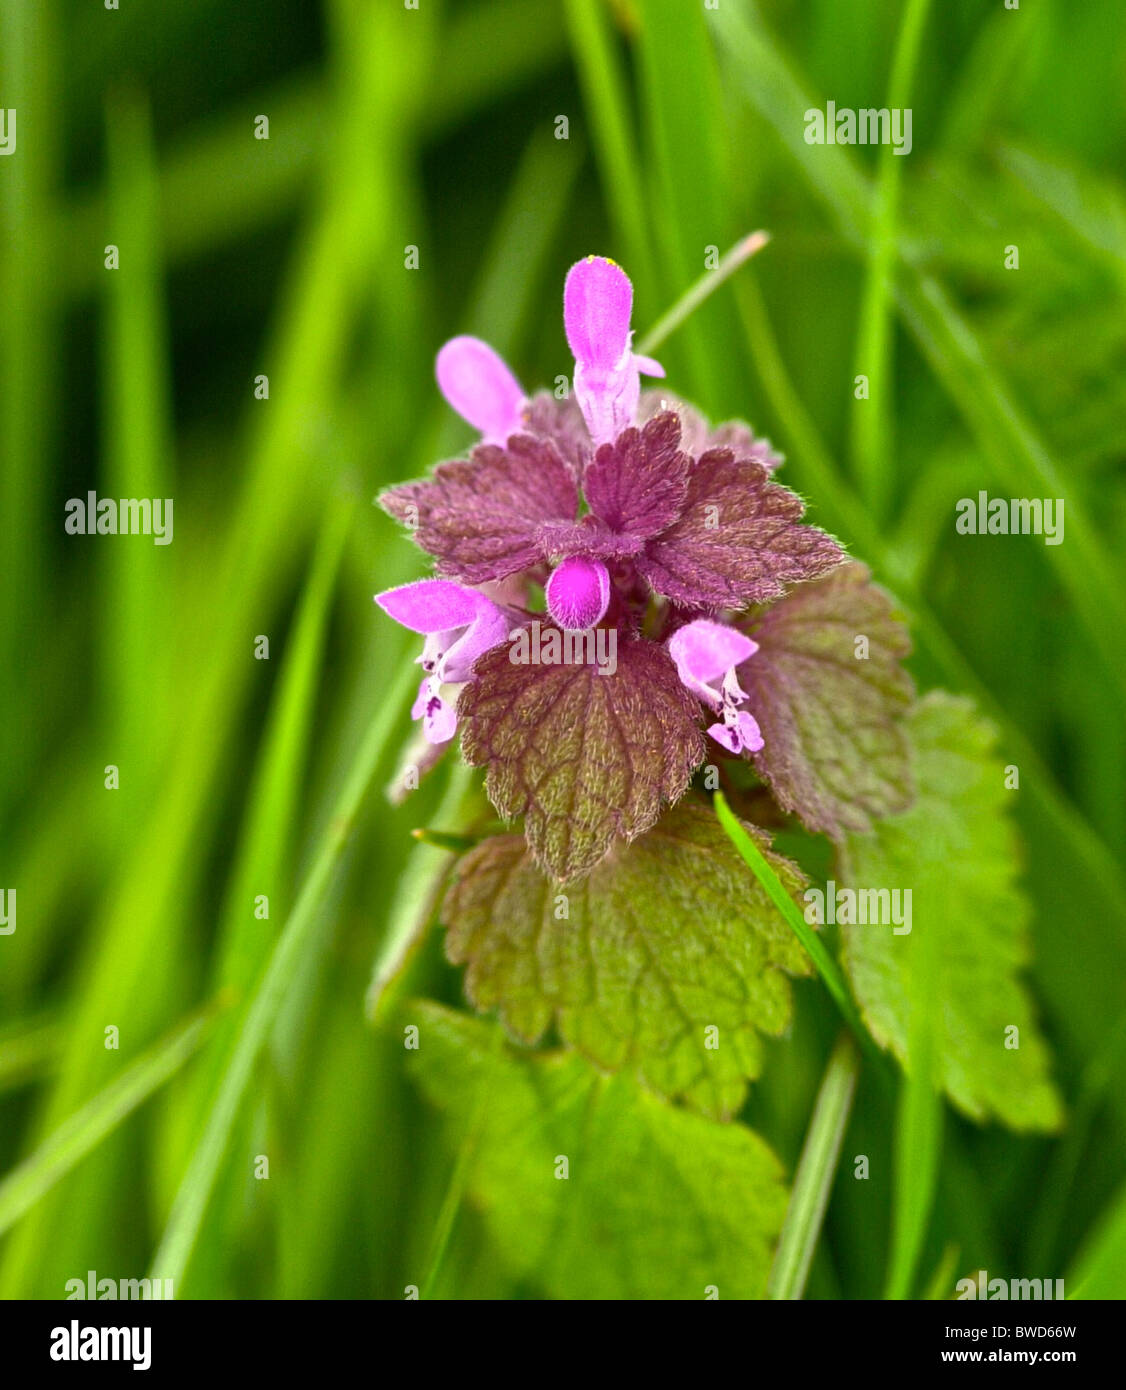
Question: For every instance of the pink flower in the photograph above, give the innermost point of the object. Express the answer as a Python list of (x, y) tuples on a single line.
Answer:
[(578, 593), (479, 385), (706, 652), (460, 624), (597, 306)]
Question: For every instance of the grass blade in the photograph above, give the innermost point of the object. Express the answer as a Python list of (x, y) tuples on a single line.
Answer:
[(605, 93), (827, 967), (706, 285), (817, 1168), (873, 455), (1100, 1270), (195, 1189), (1020, 460), (87, 1127)]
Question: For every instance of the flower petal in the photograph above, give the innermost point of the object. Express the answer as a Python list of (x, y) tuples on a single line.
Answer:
[(479, 385), (439, 718), (432, 605), (418, 709), (704, 651), (607, 398), (738, 733), (726, 735), (439, 723), (597, 304), (487, 630), (578, 593), (750, 736)]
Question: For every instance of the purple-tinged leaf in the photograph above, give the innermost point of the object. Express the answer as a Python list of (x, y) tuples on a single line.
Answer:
[(831, 705), (479, 518), (697, 436), (586, 758), (739, 540), (637, 485), (562, 422)]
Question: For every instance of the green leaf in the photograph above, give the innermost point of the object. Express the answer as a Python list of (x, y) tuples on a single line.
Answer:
[(657, 1202), (955, 849), (833, 749), (585, 757), (665, 939)]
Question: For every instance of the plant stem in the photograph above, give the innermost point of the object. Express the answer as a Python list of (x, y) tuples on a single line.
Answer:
[(817, 1167), (826, 966), (416, 897), (872, 422), (695, 295)]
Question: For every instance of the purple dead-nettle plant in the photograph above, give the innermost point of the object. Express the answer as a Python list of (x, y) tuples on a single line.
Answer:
[(625, 601), (626, 512)]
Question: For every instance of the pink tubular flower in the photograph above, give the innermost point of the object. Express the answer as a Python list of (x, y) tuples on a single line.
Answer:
[(479, 385), (704, 652), (578, 593), (597, 306), (460, 624)]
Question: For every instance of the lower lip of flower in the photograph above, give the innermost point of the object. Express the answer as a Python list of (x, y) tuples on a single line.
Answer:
[(578, 593)]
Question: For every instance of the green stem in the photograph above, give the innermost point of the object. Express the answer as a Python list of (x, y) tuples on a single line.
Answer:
[(817, 1168), (420, 885), (918, 1127), (826, 966), (695, 295), (872, 419)]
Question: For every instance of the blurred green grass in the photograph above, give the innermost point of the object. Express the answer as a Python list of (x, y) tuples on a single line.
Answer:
[(434, 128)]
